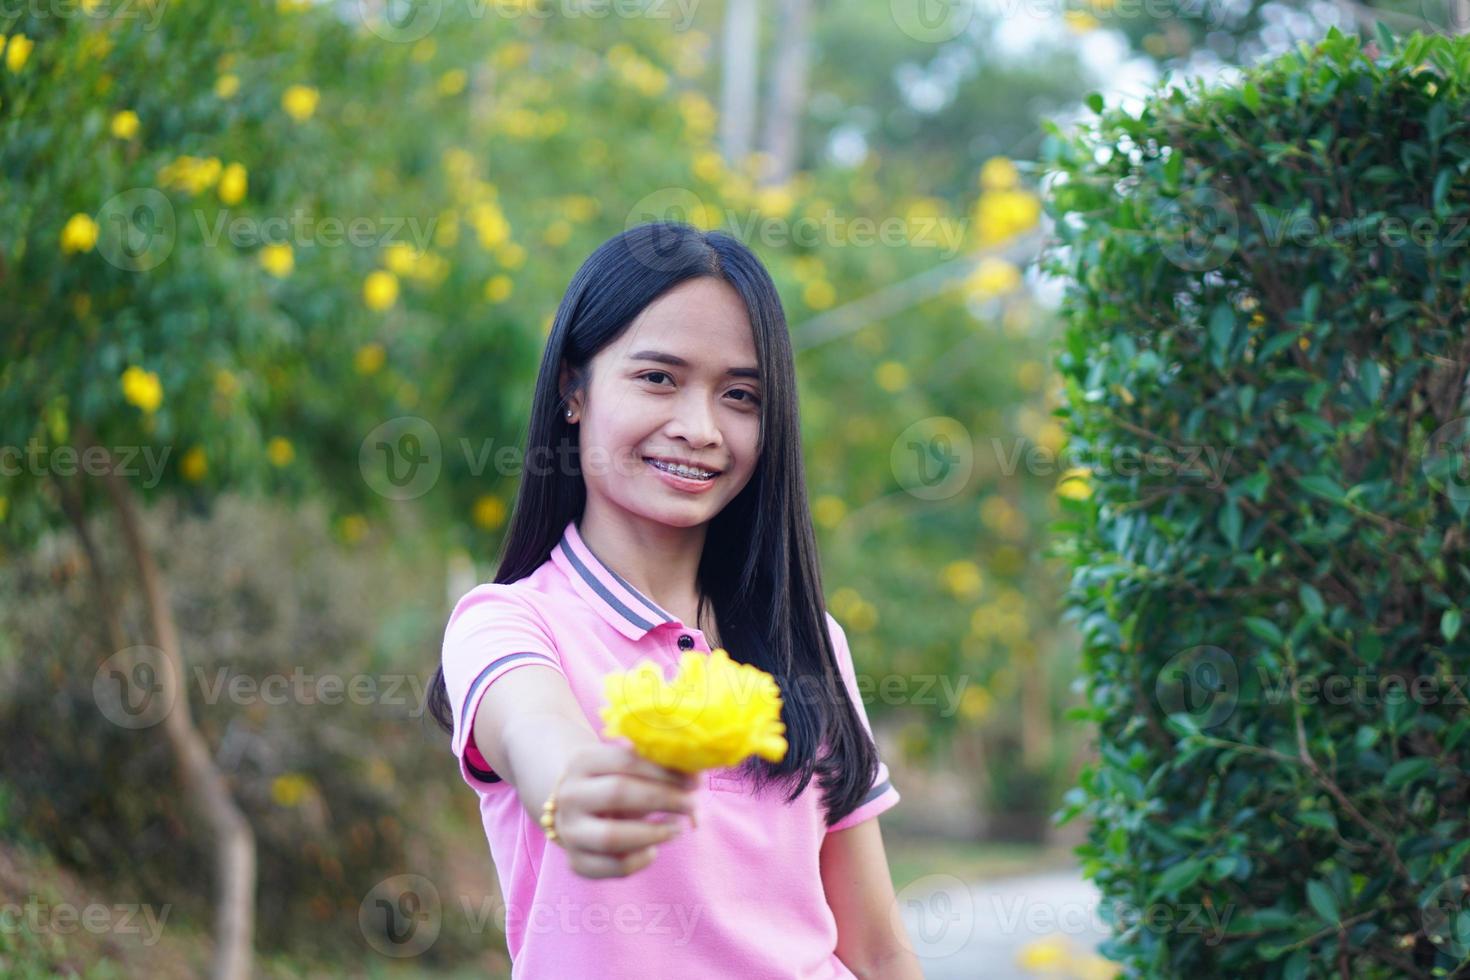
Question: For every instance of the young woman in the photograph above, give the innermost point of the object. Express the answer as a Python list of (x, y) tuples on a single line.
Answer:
[(662, 509)]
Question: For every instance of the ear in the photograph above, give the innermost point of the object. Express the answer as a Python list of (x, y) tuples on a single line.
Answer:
[(569, 385)]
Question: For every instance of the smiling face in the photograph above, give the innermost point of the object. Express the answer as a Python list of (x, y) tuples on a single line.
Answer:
[(680, 386)]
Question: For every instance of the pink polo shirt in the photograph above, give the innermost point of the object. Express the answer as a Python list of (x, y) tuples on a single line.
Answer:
[(738, 896)]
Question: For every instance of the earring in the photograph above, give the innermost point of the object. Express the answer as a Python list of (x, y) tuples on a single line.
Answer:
[(569, 413)]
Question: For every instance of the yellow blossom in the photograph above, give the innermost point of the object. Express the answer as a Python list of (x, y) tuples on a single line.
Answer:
[(992, 277), (380, 290), (280, 451), (1000, 214), (278, 259), (352, 527), (193, 465), (226, 86), (498, 288), (225, 383), (557, 233), (79, 234), (369, 358), (142, 388), (512, 255), (452, 82), (1075, 484), (232, 184), (18, 51), (1080, 21), (829, 510), (124, 124), (300, 102), (819, 294), (1044, 954), (192, 174), (962, 578), (489, 511), (290, 789), (714, 714), (891, 376), (998, 174), (976, 702)]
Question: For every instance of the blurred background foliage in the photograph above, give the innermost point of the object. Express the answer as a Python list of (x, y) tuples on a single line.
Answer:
[(239, 238)]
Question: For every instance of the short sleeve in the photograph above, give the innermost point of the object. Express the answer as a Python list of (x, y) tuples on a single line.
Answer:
[(882, 795), (490, 633)]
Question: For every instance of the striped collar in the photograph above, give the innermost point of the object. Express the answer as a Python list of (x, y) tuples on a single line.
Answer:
[(629, 611)]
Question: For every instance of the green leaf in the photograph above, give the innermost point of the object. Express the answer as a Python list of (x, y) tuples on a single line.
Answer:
[(1322, 486), (1312, 600), (1323, 901), (1179, 876), (1449, 624), (1251, 97), (1094, 101), (1265, 630), (1408, 770), (1230, 522)]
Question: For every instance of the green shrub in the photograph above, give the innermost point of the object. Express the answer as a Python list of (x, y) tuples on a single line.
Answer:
[(1267, 380)]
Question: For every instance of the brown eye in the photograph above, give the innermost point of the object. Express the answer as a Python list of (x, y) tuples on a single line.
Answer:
[(652, 374)]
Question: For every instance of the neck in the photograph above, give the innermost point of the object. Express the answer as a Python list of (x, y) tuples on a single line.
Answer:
[(658, 560)]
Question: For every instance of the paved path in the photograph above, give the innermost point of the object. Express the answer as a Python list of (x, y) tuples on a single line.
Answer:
[(976, 931)]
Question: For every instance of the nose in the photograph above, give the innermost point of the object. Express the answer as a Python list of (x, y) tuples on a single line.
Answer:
[(694, 421)]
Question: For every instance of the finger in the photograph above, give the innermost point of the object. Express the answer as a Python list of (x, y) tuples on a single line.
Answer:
[(621, 758), (632, 797), (605, 866), (601, 835)]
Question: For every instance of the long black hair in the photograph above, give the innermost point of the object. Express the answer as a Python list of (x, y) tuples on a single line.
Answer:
[(760, 571)]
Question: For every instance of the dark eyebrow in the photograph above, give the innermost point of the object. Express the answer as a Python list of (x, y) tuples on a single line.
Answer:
[(662, 358)]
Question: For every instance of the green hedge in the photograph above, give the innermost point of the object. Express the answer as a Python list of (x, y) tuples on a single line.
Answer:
[(1268, 308)]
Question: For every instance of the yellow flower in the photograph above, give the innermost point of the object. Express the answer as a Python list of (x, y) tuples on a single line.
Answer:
[(226, 86), (79, 234), (280, 451), (369, 359), (1044, 954), (232, 184), (975, 703), (193, 465), (290, 789), (999, 214), (278, 260), (141, 388), (192, 174), (557, 233), (1075, 484), (380, 290), (829, 510), (891, 376), (125, 124), (818, 294), (352, 527), (452, 82), (300, 101), (18, 52), (962, 578), (714, 714), (225, 383), (512, 255), (998, 174), (498, 288), (489, 511), (993, 277), (1080, 21)]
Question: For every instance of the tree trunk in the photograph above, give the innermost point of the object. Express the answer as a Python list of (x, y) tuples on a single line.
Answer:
[(786, 97), (738, 74), (204, 785)]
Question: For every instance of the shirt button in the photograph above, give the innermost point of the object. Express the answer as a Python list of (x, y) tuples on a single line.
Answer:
[(686, 642)]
